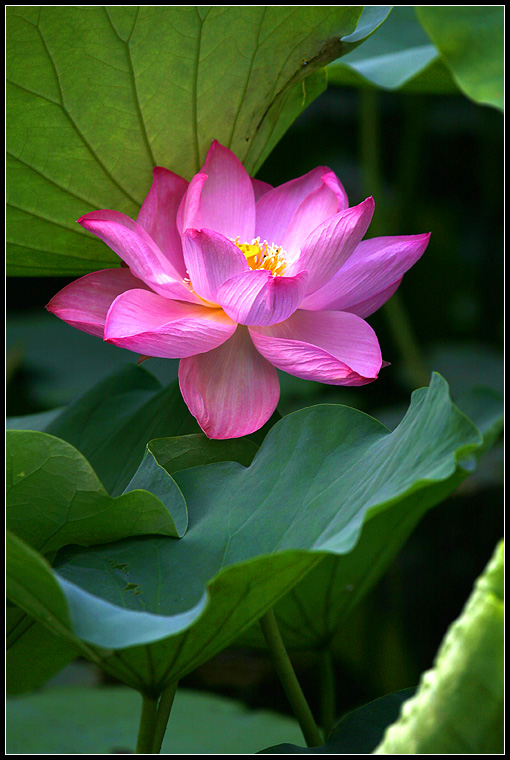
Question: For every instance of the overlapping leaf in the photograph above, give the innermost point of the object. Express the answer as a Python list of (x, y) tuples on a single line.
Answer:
[(255, 532), (112, 423), (432, 49), (470, 40), (99, 95), (400, 56), (55, 496)]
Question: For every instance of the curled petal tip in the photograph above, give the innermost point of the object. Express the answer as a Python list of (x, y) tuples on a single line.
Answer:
[(192, 232)]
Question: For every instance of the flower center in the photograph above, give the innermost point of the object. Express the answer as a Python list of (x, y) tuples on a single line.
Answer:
[(263, 256)]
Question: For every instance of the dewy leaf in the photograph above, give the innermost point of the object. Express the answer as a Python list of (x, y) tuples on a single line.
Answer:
[(399, 56), (358, 733), (255, 532), (458, 708), (471, 42), (99, 95)]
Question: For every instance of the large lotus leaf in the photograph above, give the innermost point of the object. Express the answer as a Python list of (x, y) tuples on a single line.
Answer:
[(33, 586), (471, 42), (314, 612), (357, 733), (34, 653), (458, 707), (53, 498), (81, 720), (255, 532), (99, 95), (399, 56)]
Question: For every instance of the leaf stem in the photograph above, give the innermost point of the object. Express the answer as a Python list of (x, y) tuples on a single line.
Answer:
[(327, 691), (164, 708), (147, 725), (288, 679), (394, 310)]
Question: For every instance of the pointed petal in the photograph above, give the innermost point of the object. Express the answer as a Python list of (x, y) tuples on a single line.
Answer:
[(257, 297), (277, 207), (84, 303), (260, 188), (316, 208), (375, 266), (232, 391), (370, 305), (227, 202), (330, 346), (189, 214), (211, 259), (149, 324), (329, 246), (158, 215), (134, 245)]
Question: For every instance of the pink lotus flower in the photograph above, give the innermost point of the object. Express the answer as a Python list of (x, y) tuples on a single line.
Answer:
[(237, 278)]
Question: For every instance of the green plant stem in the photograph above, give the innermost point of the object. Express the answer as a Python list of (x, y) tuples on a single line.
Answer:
[(147, 726), (403, 335), (164, 708), (327, 691), (370, 153), (394, 309), (287, 676)]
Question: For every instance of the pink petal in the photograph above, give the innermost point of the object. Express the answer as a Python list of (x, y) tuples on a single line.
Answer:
[(329, 246), (366, 308), (374, 268), (257, 297), (330, 346), (277, 207), (158, 215), (84, 303), (149, 324), (189, 214), (227, 202), (211, 260), (134, 245), (318, 206), (260, 188), (232, 390)]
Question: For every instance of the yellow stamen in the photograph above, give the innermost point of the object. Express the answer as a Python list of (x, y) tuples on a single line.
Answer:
[(263, 256)]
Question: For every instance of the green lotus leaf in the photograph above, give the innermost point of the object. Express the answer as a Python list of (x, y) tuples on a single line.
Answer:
[(321, 475)]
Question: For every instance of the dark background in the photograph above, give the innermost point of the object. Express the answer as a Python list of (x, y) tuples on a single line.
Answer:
[(441, 162)]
